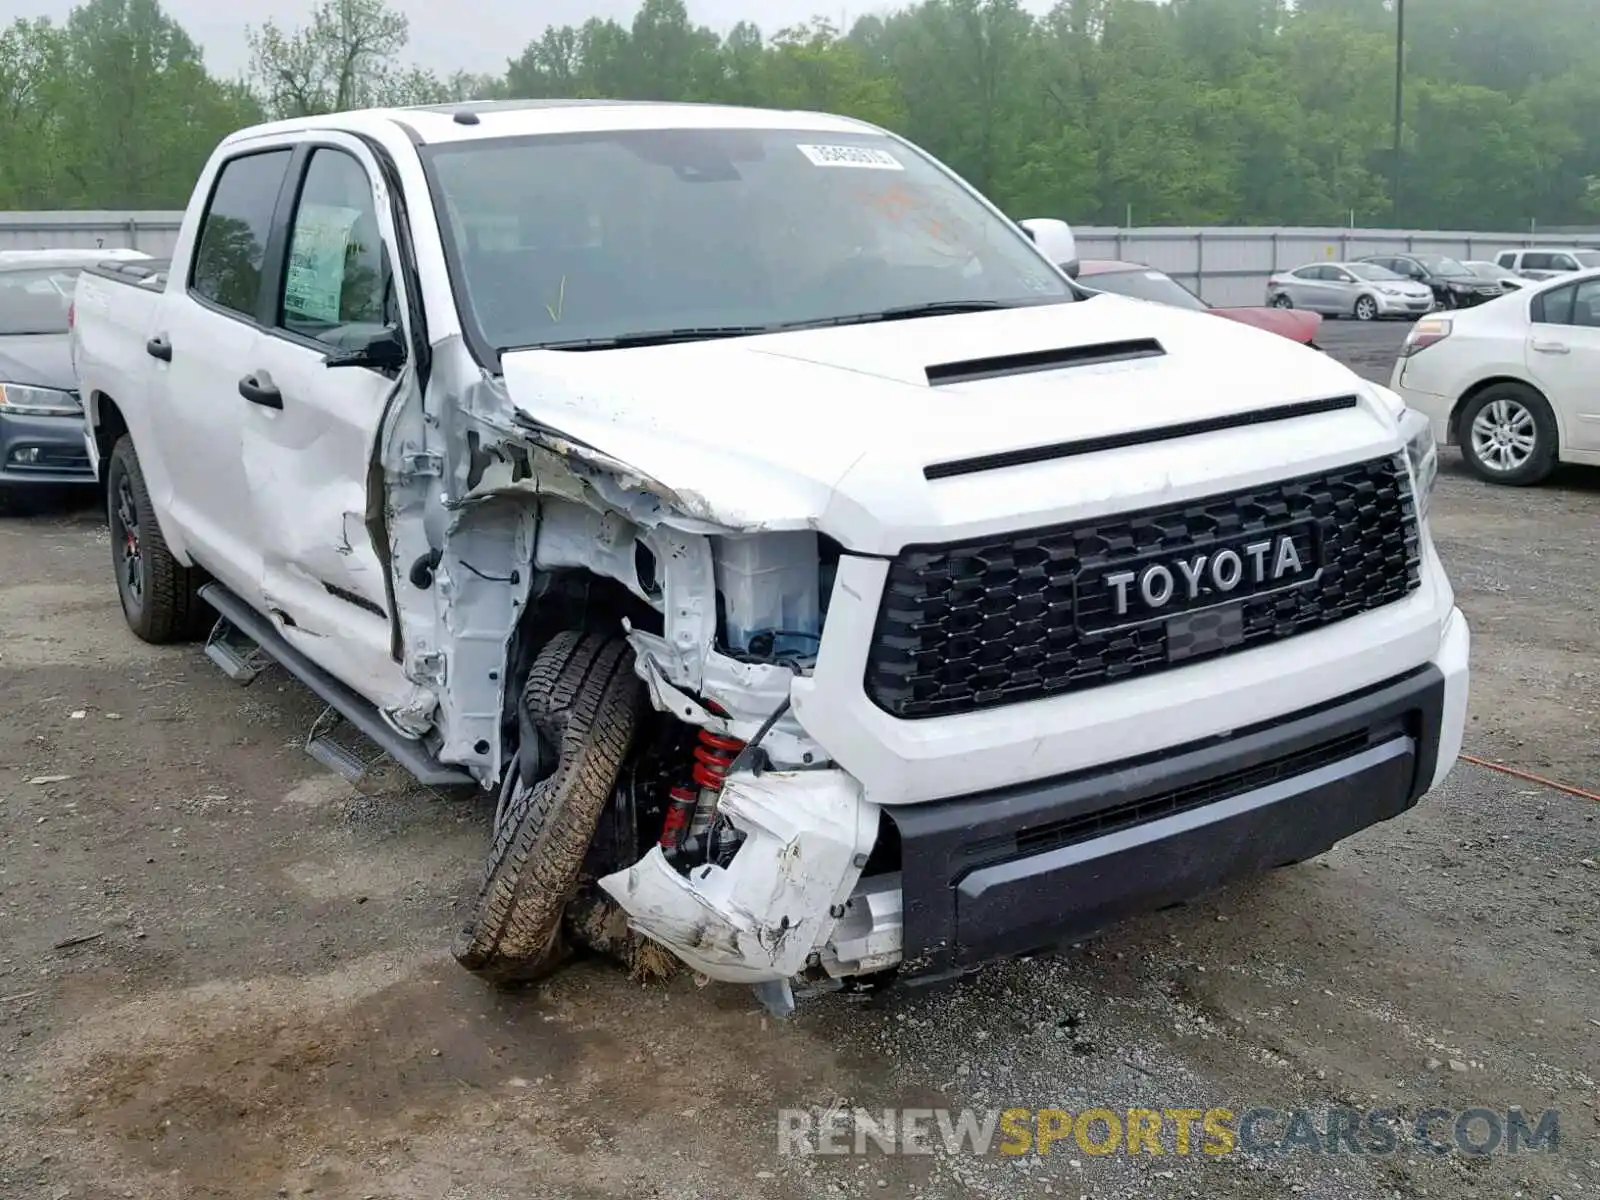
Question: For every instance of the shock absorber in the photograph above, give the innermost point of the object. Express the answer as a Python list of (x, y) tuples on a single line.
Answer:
[(712, 757)]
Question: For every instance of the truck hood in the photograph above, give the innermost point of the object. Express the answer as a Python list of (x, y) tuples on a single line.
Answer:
[(822, 428)]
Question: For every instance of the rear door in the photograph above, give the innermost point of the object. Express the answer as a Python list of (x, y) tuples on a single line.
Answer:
[(1564, 358), (206, 326), (1538, 265), (1307, 290), (308, 444)]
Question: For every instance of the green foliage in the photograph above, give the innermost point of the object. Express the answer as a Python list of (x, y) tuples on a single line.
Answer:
[(1181, 112)]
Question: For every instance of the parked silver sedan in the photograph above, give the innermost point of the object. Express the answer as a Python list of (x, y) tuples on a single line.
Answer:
[(1354, 289)]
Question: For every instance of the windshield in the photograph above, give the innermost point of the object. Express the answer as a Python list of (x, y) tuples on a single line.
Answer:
[(1588, 258), (1445, 268), (35, 300), (1144, 285), (1371, 271), (565, 238)]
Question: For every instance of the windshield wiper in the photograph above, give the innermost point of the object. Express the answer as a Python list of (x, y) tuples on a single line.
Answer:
[(651, 337)]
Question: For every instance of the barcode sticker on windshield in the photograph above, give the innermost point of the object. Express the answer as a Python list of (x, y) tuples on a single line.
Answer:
[(851, 156)]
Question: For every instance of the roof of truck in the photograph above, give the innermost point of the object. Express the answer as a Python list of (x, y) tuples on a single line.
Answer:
[(479, 119)]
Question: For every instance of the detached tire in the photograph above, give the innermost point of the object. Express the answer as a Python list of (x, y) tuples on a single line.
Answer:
[(1508, 435), (159, 594), (584, 700)]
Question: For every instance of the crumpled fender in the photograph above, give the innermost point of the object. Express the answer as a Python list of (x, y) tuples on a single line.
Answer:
[(807, 836)]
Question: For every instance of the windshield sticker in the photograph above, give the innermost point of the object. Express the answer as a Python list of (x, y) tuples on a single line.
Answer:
[(862, 157), (314, 283)]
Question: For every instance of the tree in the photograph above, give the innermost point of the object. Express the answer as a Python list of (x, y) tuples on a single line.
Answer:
[(346, 58)]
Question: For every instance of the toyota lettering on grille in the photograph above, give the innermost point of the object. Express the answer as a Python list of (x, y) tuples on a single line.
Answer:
[(1209, 577)]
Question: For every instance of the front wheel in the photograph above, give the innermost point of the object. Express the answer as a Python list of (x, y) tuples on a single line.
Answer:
[(1366, 309), (583, 703), (1508, 435), (159, 594)]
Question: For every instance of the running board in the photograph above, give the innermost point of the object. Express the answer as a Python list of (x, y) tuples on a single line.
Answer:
[(245, 624)]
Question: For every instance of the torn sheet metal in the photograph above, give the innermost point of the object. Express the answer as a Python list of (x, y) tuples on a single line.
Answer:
[(808, 834)]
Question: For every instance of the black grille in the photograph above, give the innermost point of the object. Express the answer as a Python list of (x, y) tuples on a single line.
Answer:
[(1028, 615)]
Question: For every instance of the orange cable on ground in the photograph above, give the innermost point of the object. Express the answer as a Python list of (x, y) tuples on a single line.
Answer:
[(1516, 773)]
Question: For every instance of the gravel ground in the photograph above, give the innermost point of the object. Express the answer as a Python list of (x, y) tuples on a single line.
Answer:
[(264, 1005)]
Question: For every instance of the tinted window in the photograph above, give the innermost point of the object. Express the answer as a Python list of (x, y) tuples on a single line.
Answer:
[(1508, 260), (561, 238), (35, 300), (1563, 262), (1144, 285), (233, 235), (1554, 307), (1372, 271), (336, 280), (1575, 304), (1537, 262), (1586, 304), (1307, 273)]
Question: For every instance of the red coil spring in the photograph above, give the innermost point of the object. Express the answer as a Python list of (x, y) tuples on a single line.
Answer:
[(712, 758)]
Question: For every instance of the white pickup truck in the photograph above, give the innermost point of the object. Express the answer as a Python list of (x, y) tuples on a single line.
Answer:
[(828, 587)]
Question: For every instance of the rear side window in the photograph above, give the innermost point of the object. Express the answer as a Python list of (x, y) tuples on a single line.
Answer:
[(233, 233), (1537, 262), (1508, 261), (1554, 307)]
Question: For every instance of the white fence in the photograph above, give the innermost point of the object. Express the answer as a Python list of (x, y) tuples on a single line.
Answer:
[(1227, 266)]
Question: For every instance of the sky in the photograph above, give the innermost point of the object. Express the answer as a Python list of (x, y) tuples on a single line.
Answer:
[(472, 35)]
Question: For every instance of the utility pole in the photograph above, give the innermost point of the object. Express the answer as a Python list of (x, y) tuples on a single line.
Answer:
[(1399, 102)]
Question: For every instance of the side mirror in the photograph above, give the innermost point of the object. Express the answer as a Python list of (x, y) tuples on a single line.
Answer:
[(1055, 241), (385, 351)]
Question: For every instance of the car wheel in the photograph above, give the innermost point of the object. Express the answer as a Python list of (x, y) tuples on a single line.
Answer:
[(584, 700), (159, 594), (1281, 300), (1508, 435), (1366, 308)]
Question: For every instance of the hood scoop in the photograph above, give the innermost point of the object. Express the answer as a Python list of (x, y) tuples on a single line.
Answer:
[(1003, 366), (1135, 437)]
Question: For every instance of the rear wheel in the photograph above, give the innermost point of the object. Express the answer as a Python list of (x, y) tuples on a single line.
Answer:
[(1281, 300), (1508, 435), (1366, 308), (584, 701), (159, 594)]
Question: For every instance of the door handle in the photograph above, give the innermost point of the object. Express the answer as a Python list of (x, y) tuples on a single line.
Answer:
[(159, 347), (1551, 347), (258, 388)]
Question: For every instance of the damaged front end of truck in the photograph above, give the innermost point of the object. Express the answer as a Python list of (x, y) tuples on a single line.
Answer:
[(614, 657)]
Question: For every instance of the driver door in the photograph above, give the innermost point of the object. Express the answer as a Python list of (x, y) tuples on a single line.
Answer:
[(309, 436)]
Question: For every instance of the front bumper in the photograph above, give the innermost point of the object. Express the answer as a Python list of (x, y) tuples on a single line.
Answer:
[(43, 450), (971, 878), (1404, 305), (1057, 861)]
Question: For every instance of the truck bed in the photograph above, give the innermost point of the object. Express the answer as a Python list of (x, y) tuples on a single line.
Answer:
[(148, 273)]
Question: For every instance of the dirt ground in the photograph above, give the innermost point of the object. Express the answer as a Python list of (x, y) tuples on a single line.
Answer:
[(262, 1004)]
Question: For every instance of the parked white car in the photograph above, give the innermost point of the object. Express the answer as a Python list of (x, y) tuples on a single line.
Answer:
[(825, 583), (1515, 382)]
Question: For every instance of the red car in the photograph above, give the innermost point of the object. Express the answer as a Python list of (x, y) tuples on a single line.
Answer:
[(1146, 283)]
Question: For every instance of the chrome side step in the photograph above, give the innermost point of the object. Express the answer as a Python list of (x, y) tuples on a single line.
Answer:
[(243, 640)]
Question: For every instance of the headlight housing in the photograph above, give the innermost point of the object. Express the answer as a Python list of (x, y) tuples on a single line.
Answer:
[(1422, 452), (27, 401)]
